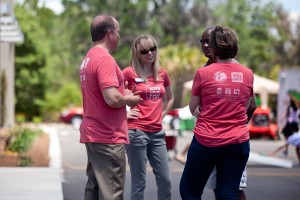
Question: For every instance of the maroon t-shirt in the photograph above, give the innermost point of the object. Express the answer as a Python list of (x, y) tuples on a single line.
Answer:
[(101, 123), (224, 89), (152, 93)]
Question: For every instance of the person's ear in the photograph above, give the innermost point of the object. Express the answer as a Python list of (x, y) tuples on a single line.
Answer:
[(109, 33)]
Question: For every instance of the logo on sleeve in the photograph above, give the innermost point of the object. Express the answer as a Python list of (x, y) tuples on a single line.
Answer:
[(220, 76), (84, 63), (237, 77)]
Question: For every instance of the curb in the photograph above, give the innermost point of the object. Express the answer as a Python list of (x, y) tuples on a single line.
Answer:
[(54, 148)]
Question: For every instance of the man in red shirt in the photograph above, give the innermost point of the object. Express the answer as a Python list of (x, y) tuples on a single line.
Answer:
[(104, 125)]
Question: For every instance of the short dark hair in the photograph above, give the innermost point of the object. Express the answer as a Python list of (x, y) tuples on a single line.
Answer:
[(100, 25), (224, 42)]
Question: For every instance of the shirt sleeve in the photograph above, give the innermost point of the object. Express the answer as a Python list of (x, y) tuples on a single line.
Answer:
[(107, 73), (252, 82), (196, 88), (167, 81), (129, 76)]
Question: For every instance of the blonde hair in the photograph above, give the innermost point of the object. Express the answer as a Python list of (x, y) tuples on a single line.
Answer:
[(144, 42)]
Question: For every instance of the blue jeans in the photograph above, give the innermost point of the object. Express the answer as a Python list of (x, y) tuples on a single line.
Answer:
[(230, 161), (151, 146)]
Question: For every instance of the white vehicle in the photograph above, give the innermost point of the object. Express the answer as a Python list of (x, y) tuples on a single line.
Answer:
[(289, 84)]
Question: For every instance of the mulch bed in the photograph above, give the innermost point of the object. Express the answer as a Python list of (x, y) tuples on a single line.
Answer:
[(36, 156)]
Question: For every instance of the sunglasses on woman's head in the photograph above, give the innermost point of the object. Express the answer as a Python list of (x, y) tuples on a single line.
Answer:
[(146, 51)]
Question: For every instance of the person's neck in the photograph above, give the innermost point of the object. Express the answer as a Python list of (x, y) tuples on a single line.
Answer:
[(228, 60), (210, 61), (148, 70), (100, 45)]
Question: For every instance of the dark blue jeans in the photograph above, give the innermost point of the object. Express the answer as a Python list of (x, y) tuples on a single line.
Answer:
[(230, 161)]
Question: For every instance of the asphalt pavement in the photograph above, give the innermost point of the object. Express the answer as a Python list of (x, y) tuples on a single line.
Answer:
[(46, 183)]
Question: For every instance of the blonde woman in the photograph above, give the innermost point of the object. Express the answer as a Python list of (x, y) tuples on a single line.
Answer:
[(147, 138)]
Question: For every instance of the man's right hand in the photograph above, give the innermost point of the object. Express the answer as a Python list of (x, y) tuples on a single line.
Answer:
[(132, 96), (115, 99), (132, 99)]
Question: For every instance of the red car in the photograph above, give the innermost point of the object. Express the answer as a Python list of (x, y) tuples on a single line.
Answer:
[(261, 124), (72, 115)]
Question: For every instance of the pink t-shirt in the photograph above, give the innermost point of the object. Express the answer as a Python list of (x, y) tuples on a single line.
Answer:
[(152, 94), (224, 89), (101, 123)]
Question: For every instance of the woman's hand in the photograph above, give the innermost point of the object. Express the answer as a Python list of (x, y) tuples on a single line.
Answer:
[(197, 111), (133, 113), (194, 105)]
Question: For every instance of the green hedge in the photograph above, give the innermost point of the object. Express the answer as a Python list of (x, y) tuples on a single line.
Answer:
[(22, 139)]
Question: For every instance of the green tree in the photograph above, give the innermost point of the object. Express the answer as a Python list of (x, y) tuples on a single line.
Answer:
[(267, 36), (181, 61), (132, 18), (47, 64), (181, 20), (251, 20), (287, 46), (43, 63), (31, 80)]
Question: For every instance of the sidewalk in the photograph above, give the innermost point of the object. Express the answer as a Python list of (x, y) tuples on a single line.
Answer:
[(34, 183), (30, 183)]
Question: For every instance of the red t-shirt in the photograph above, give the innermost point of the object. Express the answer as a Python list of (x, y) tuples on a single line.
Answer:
[(101, 123), (224, 89), (152, 93)]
